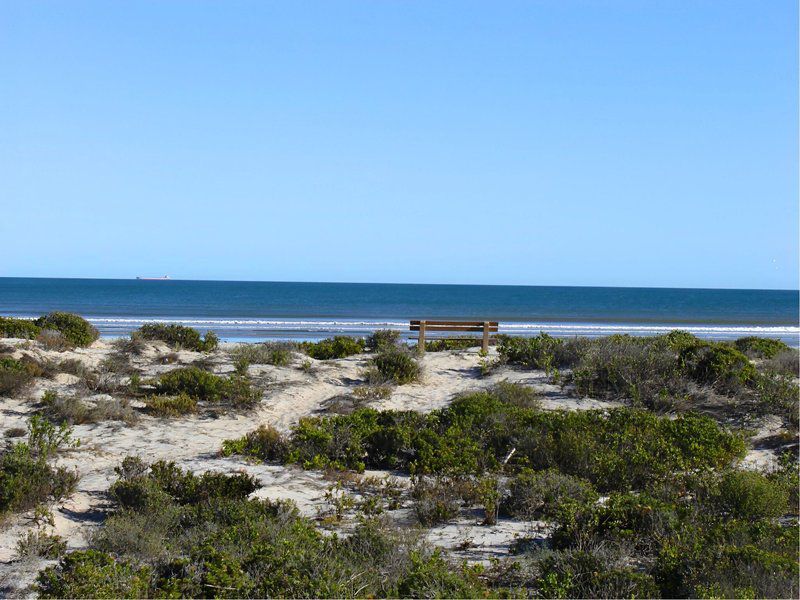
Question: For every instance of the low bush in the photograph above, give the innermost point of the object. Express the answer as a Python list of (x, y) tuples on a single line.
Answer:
[(383, 339), (278, 354), (171, 406), (265, 443), (442, 345), (39, 543), (516, 394), (77, 330), (784, 363), (540, 352), (439, 499), (619, 449), (751, 495), (719, 365), (534, 494), (76, 411), (178, 336), (207, 387), (26, 478), (53, 340), (340, 346), (396, 366), (757, 347), (15, 376), (25, 329), (176, 534)]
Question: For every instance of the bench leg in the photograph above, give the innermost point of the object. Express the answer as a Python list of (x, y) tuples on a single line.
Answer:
[(485, 343), (421, 342)]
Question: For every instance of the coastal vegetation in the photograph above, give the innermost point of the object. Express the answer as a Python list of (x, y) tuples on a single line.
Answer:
[(179, 337), (74, 328), (27, 478), (340, 346), (650, 485)]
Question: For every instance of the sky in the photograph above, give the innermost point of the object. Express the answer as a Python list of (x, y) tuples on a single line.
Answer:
[(542, 142)]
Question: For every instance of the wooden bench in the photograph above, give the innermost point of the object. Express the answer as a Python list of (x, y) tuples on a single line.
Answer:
[(423, 327)]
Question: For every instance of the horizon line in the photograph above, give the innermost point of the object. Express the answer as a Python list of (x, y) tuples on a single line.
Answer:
[(632, 287)]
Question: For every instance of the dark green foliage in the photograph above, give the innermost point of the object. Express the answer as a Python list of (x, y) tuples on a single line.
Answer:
[(171, 406), (779, 395), (207, 387), (15, 375), (540, 352), (265, 443), (396, 366), (178, 336), (340, 346), (757, 347), (383, 339), (516, 394), (441, 345), (719, 365), (619, 449), (25, 329), (439, 499), (180, 535), (534, 494), (26, 478), (77, 330), (93, 574), (750, 495), (278, 354)]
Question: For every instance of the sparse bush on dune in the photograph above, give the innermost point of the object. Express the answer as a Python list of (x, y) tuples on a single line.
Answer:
[(180, 534), (177, 336), (383, 339), (24, 329), (15, 375), (340, 346), (171, 406), (278, 354), (77, 330), (265, 443), (758, 347), (785, 363), (207, 387), (77, 411), (56, 341), (26, 478), (396, 366), (533, 494)]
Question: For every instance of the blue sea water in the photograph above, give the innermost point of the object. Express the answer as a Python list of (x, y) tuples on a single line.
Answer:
[(239, 310)]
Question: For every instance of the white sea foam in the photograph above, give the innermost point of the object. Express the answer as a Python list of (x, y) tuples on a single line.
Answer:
[(254, 327)]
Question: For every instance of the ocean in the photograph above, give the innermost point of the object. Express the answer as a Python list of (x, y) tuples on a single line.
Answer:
[(248, 310)]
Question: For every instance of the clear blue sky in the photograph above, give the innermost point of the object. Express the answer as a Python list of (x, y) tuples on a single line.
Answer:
[(563, 142)]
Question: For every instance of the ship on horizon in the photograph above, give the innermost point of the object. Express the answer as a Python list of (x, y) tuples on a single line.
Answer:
[(164, 278)]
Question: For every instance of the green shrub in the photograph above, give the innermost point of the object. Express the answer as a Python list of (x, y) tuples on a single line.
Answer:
[(784, 363), (278, 354), (397, 366), (720, 365), (15, 376), (778, 395), (178, 336), (442, 345), (580, 574), (92, 574), (533, 494), (516, 394), (77, 330), (540, 352), (75, 411), (38, 542), (750, 495), (644, 370), (25, 329), (204, 386), (201, 536), (26, 478), (383, 339), (340, 346), (757, 347), (171, 406), (438, 499), (265, 443)]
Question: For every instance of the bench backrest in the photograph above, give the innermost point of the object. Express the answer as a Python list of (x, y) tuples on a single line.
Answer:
[(454, 325)]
